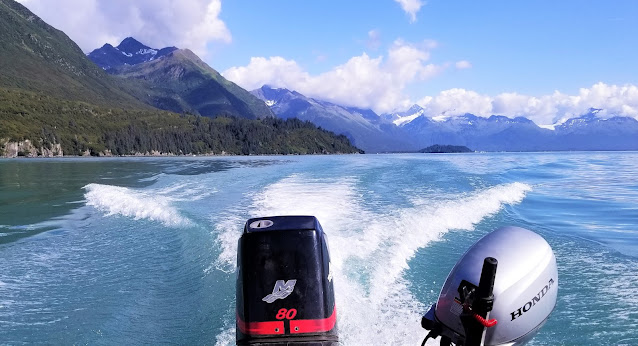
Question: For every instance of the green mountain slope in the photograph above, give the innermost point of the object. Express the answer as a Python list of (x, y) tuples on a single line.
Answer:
[(181, 82), (54, 101), (37, 57)]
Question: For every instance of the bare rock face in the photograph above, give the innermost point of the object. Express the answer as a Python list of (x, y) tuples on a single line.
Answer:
[(27, 149), (55, 150)]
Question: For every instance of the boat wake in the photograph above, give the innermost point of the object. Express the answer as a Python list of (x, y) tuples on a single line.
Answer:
[(370, 249)]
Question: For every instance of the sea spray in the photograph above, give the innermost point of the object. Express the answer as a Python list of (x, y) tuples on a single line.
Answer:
[(116, 200)]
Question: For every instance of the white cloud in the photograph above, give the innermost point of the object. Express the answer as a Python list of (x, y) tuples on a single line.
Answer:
[(411, 7), (274, 71), (544, 110), (455, 102), (463, 64), (362, 81), (156, 23)]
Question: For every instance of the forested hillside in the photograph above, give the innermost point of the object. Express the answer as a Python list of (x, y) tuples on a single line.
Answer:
[(81, 128)]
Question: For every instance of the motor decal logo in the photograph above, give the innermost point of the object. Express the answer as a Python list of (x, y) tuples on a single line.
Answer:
[(282, 290), (261, 224)]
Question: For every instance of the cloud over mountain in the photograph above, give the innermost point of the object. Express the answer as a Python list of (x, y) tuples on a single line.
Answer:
[(362, 81), (544, 110), (159, 23)]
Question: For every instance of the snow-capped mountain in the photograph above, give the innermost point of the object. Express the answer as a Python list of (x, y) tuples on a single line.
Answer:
[(496, 133), (590, 132), (362, 126), (500, 133), (400, 118), (128, 52)]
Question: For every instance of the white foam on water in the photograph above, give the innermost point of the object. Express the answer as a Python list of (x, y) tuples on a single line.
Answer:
[(615, 282), (190, 191), (150, 205), (228, 232), (226, 337), (370, 249)]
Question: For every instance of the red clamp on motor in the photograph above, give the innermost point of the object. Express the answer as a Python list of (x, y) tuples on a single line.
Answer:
[(484, 322)]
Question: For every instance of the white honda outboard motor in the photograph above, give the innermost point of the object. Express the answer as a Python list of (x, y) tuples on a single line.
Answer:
[(500, 293)]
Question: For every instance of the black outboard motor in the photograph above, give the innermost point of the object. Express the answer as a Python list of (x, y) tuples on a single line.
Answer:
[(285, 294)]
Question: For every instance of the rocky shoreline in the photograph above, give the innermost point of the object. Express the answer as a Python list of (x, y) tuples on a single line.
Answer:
[(26, 149)]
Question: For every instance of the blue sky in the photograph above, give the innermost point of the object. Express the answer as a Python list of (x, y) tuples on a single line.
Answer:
[(523, 46), (546, 60)]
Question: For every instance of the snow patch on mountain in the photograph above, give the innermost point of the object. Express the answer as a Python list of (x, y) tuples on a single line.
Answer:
[(147, 51), (408, 118)]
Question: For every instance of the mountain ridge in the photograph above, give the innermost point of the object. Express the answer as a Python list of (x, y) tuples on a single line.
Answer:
[(129, 52), (178, 80)]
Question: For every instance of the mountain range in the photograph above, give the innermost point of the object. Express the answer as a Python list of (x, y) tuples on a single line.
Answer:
[(413, 129), (500, 133)]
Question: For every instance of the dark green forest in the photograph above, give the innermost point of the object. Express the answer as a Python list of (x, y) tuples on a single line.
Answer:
[(442, 149), (80, 127)]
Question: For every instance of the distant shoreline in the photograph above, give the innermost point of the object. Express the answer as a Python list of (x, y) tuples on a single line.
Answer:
[(314, 154), (165, 155)]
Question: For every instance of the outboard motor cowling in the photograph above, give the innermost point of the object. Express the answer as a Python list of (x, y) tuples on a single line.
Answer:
[(511, 307), (285, 293)]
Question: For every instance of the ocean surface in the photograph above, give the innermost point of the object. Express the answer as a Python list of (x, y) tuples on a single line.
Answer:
[(119, 251)]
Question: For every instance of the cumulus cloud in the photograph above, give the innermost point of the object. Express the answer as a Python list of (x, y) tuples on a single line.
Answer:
[(156, 23), (274, 71), (455, 102), (543, 110), (362, 81), (411, 7)]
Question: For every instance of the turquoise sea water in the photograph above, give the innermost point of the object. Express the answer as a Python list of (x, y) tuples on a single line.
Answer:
[(142, 250)]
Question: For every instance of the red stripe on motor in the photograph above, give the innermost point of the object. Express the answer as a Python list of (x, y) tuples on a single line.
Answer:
[(260, 328), (314, 326)]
